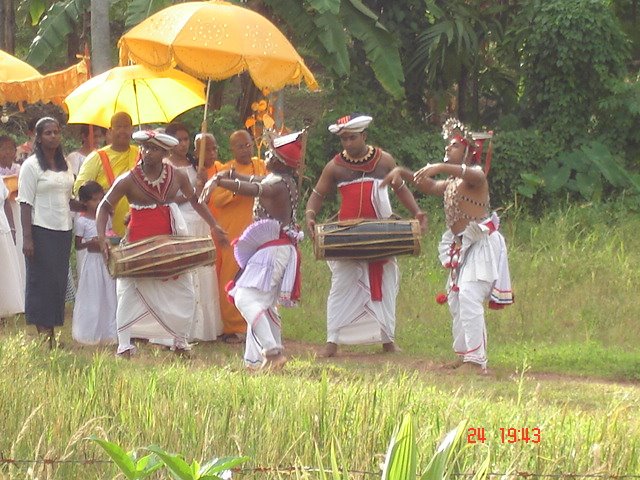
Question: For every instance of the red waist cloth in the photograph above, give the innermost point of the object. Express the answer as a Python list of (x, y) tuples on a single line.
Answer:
[(149, 222), (357, 203)]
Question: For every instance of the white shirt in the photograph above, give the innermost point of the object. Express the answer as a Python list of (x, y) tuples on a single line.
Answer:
[(48, 192), (76, 159)]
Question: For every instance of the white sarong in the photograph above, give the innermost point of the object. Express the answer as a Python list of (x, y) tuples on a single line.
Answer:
[(352, 317), (156, 308)]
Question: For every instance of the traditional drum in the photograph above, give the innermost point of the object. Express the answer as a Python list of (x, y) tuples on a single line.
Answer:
[(160, 257), (366, 239)]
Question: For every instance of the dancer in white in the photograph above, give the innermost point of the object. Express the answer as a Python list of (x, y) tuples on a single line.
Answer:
[(267, 250), (94, 312), (472, 248), (146, 305), (361, 307)]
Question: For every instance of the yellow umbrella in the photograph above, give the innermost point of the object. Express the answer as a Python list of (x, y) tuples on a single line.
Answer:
[(216, 40), (13, 69), (148, 96)]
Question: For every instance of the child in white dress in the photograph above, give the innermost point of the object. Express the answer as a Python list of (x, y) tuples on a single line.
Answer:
[(94, 313)]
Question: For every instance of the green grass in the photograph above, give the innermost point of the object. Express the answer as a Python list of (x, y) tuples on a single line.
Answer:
[(565, 359)]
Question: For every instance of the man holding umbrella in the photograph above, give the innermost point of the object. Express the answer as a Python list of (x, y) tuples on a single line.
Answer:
[(108, 163)]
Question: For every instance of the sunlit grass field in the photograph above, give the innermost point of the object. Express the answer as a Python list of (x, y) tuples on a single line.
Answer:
[(564, 359)]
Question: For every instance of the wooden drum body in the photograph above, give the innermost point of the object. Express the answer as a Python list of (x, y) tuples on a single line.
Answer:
[(366, 239), (161, 256)]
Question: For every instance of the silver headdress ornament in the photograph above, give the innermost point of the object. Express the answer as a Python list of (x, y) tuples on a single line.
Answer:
[(455, 128)]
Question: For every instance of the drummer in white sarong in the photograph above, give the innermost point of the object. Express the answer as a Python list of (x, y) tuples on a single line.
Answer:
[(361, 307), (148, 306)]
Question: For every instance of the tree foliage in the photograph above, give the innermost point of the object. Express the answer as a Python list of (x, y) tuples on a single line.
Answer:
[(570, 51), (331, 29)]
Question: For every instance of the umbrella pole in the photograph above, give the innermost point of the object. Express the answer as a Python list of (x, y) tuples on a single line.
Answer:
[(135, 94), (203, 128)]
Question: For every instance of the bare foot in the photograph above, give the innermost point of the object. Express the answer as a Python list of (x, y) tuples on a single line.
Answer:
[(273, 362), (127, 354), (330, 350), (471, 367), (390, 348), (454, 364)]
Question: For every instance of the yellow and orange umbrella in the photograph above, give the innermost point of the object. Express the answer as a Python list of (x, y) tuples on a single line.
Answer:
[(13, 69), (216, 40), (20, 82)]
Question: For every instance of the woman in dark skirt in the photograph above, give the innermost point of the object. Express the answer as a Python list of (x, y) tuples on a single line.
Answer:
[(44, 193)]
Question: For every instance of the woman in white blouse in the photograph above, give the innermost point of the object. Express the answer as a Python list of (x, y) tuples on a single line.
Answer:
[(44, 193)]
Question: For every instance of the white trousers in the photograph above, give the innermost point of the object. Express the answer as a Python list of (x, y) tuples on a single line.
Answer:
[(260, 311), (469, 328)]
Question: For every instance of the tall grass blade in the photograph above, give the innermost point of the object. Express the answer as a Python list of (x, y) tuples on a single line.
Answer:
[(400, 461)]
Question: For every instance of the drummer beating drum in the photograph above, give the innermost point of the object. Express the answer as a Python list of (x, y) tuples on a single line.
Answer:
[(361, 307), (147, 305)]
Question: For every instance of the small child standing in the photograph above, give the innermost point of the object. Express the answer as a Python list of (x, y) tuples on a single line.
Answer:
[(94, 313)]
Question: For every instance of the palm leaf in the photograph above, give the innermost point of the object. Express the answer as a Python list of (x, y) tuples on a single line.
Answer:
[(138, 10), (400, 461), (324, 6), (333, 38), (119, 457), (445, 452), (61, 19), (175, 463), (380, 46)]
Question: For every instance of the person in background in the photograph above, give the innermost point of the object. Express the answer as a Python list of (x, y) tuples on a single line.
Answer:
[(472, 248), (108, 163), (93, 325), (44, 193), (9, 172), (361, 307), (25, 149), (12, 297), (207, 322), (234, 212), (77, 157)]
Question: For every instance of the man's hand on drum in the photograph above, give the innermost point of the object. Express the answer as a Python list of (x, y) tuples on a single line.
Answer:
[(103, 246), (93, 245), (422, 219), (220, 236), (311, 226)]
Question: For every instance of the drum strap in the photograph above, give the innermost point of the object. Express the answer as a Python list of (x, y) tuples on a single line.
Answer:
[(106, 166)]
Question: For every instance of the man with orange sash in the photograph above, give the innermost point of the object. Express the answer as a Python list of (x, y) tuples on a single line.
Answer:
[(146, 305), (234, 213), (108, 163), (361, 307)]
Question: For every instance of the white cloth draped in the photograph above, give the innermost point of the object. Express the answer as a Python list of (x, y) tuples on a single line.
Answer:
[(12, 291)]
